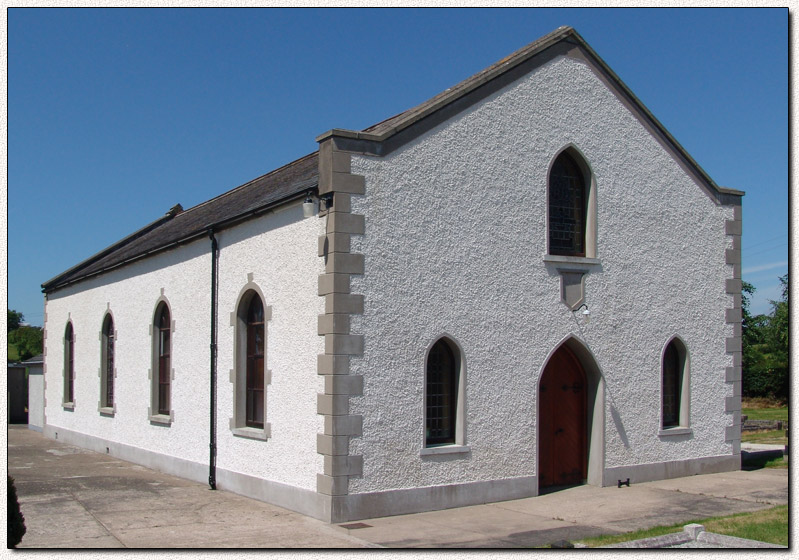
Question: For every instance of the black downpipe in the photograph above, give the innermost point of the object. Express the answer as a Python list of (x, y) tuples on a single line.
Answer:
[(212, 445)]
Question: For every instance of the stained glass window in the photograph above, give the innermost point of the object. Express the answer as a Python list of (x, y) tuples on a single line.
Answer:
[(255, 363), (442, 394), (567, 208)]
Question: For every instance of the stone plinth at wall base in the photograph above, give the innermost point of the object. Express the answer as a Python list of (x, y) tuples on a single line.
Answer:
[(671, 469), (430, 498)]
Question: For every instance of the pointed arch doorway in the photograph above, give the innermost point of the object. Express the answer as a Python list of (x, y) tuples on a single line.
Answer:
[(570, 419)]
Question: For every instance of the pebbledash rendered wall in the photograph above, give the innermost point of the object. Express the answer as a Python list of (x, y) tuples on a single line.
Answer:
[(276, 254), (455, 245)]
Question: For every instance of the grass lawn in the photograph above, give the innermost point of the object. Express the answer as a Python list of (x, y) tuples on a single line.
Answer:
[(768, 525), (759, 410), (776, 437), (779, 413)]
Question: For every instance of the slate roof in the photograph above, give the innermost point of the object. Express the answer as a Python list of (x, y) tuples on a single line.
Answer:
[(179, 226), (37, 359)]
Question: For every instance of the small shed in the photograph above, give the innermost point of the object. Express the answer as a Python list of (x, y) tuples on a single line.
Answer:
[(26, 393), (35, 367), (17, 394)]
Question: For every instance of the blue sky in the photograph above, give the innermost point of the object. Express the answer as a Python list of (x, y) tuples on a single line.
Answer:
[(116, 115)]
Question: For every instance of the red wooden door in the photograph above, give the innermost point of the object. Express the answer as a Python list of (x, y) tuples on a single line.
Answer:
[(561, 420)]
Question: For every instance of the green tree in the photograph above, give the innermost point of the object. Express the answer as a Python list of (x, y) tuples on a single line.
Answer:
[(14, 320), (28, 341), (753, 333), (765, 346), (777, 341)]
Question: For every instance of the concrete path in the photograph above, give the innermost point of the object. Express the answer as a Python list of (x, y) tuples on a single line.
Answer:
[(582, 512), (76, 498)]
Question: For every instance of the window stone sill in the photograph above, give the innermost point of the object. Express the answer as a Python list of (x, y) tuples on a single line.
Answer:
[(161, 419), (253, 433), (68, 405), (107, 411), (563, 260), (678, 431), (445, 449)]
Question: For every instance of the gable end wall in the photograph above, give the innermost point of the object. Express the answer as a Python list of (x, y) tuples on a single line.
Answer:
[(456, 236)]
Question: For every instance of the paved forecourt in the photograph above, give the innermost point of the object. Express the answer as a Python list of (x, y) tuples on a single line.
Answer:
[(75, 498), (581, 512)]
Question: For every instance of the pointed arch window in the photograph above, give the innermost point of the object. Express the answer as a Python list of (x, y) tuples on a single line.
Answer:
[(69, 365), (107, 370), (442, 390), (164, 355), (568, 207), (672, 384), (675, 387), (444, 398)]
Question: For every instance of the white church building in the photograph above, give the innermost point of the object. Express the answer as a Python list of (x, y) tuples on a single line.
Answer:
[(521, 284)]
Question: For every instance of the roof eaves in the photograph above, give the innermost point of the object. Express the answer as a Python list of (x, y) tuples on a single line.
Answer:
[(37, 359), (354, 134)]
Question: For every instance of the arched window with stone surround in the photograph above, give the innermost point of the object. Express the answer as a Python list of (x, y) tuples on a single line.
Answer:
[(256, 343), (162, 360), (568, 207), (107, 363), (444, 394), (250, 377), (69, 364), (675, 386)]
